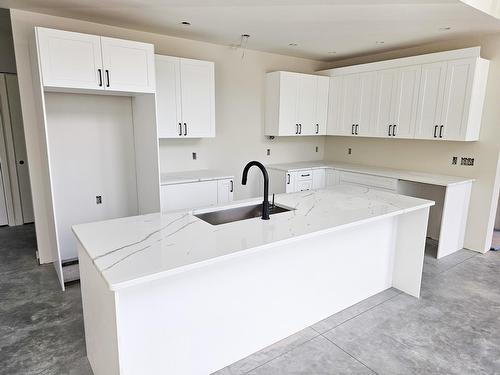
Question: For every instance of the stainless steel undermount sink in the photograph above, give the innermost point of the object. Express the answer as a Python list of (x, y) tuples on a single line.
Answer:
[(237, 213)]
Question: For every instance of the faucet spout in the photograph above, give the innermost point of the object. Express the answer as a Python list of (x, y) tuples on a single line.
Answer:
[(265, 202)]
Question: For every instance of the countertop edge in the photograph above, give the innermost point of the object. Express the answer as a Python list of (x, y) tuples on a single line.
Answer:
[(160, 275)]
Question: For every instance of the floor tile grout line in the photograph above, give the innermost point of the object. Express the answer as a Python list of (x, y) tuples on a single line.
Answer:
[(451, 267), (282, 354), (350, 355), (362, 312)]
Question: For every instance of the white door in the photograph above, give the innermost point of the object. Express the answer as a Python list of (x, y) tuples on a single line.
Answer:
[(350, 103), (363, 104), (225, 191), (70, 60), (405, 101), (381, 125), (332, 177), (128, 65), (336, 124), (3, 205), (168, 96), (198, 98), (318, 178), (457, 97), (306, 109), (290, 181), (188, 196), (321, 105), (289, 90), (430, 100)]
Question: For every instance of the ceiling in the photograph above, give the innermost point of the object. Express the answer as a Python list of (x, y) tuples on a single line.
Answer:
[(321, 29)]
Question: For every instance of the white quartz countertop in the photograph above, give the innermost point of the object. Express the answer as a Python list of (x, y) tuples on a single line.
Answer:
[(400, 174), (139, 249), (182, 177)]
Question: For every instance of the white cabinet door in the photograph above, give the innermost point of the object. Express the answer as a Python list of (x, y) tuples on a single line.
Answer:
[(322, 88), (291, 181), (363, 104), (457, 98), (382, 103), (405, 102), (336, 123), (189, 195), (350, 104), (168, 97), (288, 103), (318, 178), (430, 100), (306, 109), (225, 191), (198, 98), (69, 60), (332, 177), (128, 66)]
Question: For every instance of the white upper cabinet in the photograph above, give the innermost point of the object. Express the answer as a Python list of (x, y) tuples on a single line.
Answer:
[(395, 102), (128, 65), (296, 104), (69, 60), (198, 98), (350, 104), (185, 97), (437, 96), (430, 102), (322, 106), (74, 62)]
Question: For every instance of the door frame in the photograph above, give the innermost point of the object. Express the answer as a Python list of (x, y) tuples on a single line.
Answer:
[(7, 154)]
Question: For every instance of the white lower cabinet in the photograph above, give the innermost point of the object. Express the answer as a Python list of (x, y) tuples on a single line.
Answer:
[(369, 181), (196, 194), (225, 191), (296, 180)]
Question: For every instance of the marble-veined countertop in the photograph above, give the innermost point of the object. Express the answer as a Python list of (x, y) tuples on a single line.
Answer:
[(137, 249)]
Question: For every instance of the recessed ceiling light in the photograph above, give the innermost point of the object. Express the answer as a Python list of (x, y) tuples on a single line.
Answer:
[(445, 28), (293, 44), (379, 42), (186, 23)]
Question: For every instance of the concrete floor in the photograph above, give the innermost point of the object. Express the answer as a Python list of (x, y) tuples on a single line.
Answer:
[(454, 328)]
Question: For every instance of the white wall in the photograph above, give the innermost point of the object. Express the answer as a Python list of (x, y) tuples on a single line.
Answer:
[(7, 58), (435, 157), (91, 147)]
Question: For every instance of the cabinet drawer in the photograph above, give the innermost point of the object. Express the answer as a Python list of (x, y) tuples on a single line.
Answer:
[(304, 175), (304, 185), (369, 180)]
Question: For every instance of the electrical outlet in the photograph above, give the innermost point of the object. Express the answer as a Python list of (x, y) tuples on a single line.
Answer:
[(467, 161), (349, 151), (268, 151), (317, 148), (194, 156), (454, 160), (98, 199)]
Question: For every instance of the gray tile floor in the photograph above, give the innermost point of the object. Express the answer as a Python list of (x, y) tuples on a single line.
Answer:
[(454, 328)]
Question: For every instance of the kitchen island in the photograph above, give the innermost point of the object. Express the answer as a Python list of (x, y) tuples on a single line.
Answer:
[(173, 294)]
